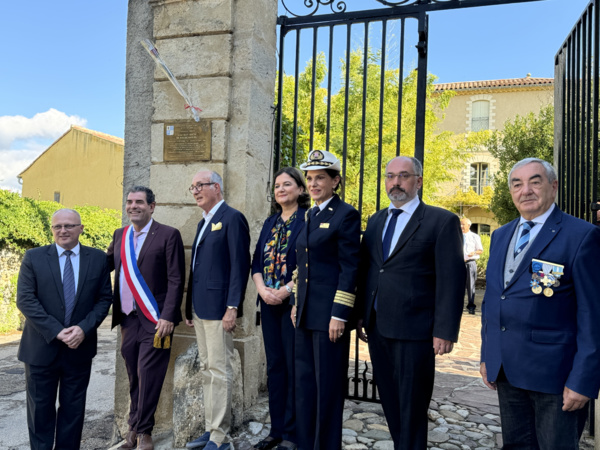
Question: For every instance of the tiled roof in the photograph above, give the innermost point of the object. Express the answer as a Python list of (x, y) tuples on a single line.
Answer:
[(105, 136), (496, 84)]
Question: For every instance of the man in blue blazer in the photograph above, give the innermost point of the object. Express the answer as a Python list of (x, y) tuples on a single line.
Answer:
[(216, 289), (64, 293), (540, 335), (410, 298)]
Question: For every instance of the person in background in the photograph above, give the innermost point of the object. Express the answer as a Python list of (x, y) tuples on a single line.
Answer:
[(273, 263), (472, 248), (327, 255)]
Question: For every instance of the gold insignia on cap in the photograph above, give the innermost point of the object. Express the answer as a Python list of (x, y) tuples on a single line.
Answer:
[(316, 156), (344, 298)]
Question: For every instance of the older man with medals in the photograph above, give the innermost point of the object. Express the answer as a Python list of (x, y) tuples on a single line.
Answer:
[(540, 339), (150, 264)]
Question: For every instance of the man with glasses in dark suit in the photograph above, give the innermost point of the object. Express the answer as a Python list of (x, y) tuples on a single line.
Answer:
[(64, 293)]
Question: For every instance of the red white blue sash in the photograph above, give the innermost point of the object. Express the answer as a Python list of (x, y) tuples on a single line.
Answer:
[(141, 292)]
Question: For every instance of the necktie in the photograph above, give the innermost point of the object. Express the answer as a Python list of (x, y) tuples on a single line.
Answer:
[(314, 211), (389, 233), (68, 287), (524, 239), (127, 301)]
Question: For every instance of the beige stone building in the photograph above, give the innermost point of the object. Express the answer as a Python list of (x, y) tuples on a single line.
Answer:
[(487, 105), (82, 167)]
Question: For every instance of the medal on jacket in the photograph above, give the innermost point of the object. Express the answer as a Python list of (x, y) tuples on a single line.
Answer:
[(545, 274)]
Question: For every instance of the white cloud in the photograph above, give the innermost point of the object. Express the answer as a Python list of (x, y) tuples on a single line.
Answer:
[(23, 139), (47, 125)]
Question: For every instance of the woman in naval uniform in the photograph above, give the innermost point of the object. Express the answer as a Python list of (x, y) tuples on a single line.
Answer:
[(327, 256)]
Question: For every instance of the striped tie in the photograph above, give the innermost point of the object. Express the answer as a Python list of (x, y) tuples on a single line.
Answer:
[(524, 239), (68, 287)]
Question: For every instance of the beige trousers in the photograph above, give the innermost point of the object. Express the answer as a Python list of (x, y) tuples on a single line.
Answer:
[(215, 349)]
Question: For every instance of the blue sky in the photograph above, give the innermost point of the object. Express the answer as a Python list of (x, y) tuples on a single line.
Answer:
[(63, 62)]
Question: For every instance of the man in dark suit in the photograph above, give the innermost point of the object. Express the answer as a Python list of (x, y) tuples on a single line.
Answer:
[(540, 337), (411, 287), (149, 261), (216, 289), (64, 293)]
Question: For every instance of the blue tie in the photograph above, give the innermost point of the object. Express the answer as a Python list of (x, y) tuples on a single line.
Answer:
[(524, 239), (389, 233), (68, 287)]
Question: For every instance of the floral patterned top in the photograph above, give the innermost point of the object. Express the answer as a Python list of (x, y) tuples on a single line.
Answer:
[(276, 248)]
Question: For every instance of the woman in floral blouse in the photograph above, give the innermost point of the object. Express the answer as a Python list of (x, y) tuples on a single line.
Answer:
[(272, 266)]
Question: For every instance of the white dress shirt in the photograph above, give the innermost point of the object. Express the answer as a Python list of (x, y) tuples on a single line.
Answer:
[(408, 209), (539, 223), (207, 218)]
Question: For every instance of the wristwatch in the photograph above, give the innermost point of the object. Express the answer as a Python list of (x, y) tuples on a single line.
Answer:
[(289, 289)]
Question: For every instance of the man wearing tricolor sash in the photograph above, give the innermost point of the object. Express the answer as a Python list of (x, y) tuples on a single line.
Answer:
[(149, 261), (216, 288)]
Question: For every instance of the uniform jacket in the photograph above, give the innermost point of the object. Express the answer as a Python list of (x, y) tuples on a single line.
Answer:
[(258, 258), (162, 265), (420, 287), (545, 343), (41, 299), (327, 255), (222, 265)]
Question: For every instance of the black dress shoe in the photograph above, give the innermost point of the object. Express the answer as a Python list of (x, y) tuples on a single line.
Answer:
[(267, 443), (471, 310)]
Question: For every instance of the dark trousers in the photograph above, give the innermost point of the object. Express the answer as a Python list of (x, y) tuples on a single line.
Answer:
[(278, 336), (70, 381), (471, 278), (535, 420), (321, 386), (146, 368), (404, 373)]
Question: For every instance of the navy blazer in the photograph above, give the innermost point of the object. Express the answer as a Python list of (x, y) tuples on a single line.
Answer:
[(162, 264), (40, 297), (220, 274), (420, 287), (258, 258), (327, 253), (545, 343)]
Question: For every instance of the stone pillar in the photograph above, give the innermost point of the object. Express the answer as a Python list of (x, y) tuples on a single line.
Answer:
[(223, 52)]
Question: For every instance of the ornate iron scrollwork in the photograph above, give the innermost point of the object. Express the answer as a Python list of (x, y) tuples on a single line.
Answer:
[(339, 6)]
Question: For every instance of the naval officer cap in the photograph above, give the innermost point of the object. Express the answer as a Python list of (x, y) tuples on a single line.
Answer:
[(321, 159)]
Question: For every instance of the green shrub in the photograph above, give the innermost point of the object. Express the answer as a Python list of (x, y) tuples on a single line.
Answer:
[(10, 317), (25, 224)]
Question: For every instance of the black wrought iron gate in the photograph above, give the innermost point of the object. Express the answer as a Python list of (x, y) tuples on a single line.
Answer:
[(361, 93), (576, 127)]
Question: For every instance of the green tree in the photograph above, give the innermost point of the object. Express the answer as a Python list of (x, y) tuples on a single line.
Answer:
[(441, 157), (529, 136)]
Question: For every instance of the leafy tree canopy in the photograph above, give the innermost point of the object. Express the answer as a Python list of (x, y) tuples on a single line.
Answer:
[(442, 158), (529, 136)]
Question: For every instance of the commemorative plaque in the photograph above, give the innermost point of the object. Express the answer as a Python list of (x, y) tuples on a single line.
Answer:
[(187, 141)]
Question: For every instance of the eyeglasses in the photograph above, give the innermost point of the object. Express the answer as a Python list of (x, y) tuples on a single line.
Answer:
[(198, 187), (404, 176), (67, 227)]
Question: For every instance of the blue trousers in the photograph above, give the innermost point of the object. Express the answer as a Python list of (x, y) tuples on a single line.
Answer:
[(535, 420)]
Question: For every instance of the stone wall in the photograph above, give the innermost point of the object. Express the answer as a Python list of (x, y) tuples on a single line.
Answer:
[(223, 52)]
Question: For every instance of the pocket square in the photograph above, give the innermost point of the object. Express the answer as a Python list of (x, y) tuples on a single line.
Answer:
[(324, 225), (216, 226)]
